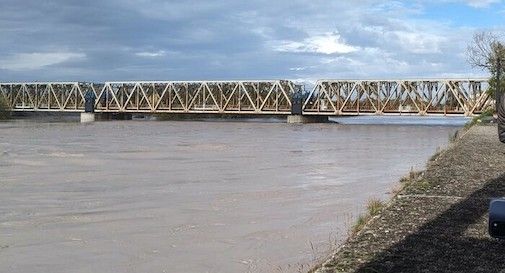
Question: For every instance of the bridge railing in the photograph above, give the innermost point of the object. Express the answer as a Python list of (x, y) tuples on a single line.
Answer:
[(409, 97), (237, 97)]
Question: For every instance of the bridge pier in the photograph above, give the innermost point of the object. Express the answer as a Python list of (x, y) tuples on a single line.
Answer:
[(87, 117), (89, 108), (300, 119), (297, 116)]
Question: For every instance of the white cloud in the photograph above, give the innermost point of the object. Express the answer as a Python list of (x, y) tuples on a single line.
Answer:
[(297, 68), (37, 60), (481, 3), (328, 43), (419, 42), (159, 53), (478, 4)]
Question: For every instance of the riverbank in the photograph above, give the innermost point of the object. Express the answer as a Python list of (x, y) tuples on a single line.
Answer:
[(437, 221)]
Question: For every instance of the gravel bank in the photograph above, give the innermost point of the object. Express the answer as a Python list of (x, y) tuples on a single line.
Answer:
[(438, 221)]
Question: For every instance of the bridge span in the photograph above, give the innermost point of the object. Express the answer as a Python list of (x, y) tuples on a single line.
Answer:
[(220, 97), (460, 97), (446, 97)]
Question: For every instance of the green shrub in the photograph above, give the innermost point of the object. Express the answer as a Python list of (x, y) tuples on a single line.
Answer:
[(487, 114)]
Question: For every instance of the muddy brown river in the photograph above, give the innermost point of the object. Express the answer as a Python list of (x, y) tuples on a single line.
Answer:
[(147, 196)]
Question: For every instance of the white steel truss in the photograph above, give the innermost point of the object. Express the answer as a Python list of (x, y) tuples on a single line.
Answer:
[(466, 97), (329, 97), (236, 97), (44, 96)]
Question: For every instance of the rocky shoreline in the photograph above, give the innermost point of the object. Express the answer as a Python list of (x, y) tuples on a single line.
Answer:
[(437, 221)]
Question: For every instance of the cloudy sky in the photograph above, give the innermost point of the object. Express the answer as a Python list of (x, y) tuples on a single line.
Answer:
[(110, 40)]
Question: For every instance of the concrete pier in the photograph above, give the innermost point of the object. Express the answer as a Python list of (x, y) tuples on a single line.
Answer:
[(299, 119), (87, 117)]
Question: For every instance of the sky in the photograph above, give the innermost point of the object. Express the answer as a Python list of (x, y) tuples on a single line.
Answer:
[(302, 40)]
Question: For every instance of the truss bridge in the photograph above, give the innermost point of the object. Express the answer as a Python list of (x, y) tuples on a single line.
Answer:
[(461, 97), (446, 97)]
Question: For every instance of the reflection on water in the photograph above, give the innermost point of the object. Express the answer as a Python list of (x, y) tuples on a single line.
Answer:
[(403, 120), (191, 196)]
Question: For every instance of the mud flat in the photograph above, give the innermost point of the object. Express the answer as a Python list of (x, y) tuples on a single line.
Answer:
[(437, 220)]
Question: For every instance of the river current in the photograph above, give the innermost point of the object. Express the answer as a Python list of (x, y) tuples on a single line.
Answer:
[(148, 196)]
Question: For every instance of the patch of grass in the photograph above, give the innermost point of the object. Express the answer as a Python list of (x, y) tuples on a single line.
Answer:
[(4, 108), (407, 180), (360, 223), (422, 185), (404, 179), (486, 115), (412, 176), (374, 207)]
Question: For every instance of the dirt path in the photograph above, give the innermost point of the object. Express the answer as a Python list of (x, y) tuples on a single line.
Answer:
[(438, 221)]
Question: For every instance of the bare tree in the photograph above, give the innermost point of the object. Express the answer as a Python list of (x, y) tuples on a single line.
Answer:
[(488, 52), (485, 51)]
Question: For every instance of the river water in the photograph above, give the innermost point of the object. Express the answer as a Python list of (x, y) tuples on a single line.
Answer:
[(147, 196)]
